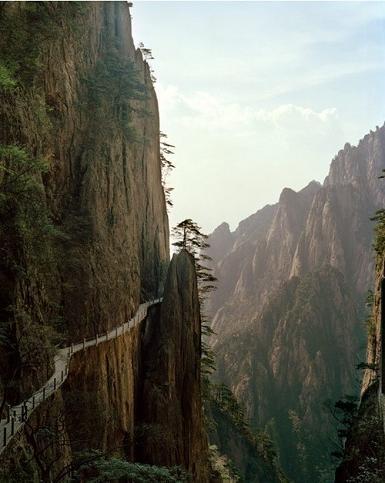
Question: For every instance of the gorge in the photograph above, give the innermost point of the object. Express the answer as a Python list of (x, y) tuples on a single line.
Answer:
[(100, 334), (106, 354), (288, 312)]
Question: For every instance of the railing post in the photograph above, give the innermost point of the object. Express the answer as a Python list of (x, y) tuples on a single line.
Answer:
[(44, 393), (8, 413), (62, 376), (116, 331), (5, 436), (33, 401), (54, 383), (12, 426)]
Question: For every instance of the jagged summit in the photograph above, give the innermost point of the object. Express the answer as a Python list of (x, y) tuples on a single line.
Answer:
[(313, 186), (287, 195), (223, 228), (360, 165), (320, 226)]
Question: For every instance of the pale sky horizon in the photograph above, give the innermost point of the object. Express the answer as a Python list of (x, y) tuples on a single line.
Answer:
[(258, 96)]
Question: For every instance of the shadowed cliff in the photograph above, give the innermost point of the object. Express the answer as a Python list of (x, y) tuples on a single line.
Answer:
[(170, 419), (363, 452), (84, 239)]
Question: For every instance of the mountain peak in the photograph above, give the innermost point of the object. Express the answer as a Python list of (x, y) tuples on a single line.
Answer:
[(312, 186), (222, 229), (287, 195), (361, 165)]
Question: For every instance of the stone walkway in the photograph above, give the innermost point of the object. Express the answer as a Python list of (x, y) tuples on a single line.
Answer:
[(20, 413)]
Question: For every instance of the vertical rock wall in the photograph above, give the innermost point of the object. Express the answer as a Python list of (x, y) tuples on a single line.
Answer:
[(170, 418), (85, 104), (101, 141)]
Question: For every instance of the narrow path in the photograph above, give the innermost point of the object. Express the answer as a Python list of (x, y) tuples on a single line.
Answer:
[(19, 414)]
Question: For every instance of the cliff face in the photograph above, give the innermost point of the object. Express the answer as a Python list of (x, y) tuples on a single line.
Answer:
[(259, 258), (170, 419), (253, 458), (363, 453), (291, 280), (98, 130), (296, 355), (100, 224), (87, 239)]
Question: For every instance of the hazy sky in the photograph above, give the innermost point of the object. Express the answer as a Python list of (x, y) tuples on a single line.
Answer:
[(257, 96)]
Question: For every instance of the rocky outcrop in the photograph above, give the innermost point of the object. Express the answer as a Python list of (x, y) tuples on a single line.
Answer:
[(91, 243), (103, 185), (295, 356), (97, 223), (170, 419), (253, 459), (363, 452), (259, 259), (363, 455), (320, 237)]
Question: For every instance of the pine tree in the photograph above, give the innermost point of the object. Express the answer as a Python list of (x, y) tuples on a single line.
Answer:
[(189, 236), (167, 166)]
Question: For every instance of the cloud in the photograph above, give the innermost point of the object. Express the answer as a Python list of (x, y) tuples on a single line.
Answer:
[(204, 110), (291, 112)]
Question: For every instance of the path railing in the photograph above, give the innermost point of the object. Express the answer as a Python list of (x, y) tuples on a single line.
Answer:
[(19, 414)]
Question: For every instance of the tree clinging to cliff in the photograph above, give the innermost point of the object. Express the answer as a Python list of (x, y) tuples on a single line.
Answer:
[(189, 236), (166, 149)]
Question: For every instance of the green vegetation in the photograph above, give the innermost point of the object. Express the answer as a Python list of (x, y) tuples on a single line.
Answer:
[(28, 253), (28, 235), (48, 442), (95, 467), (344, 411), (379, 230), (115, 82), (30, 345), (6, 80), (27, 230), (218, 397), (188, 236), (167, 166), (34, 24), (363, 454), (227, 403), (147, 56), (370, 322), (260, 461), (222, 466)]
